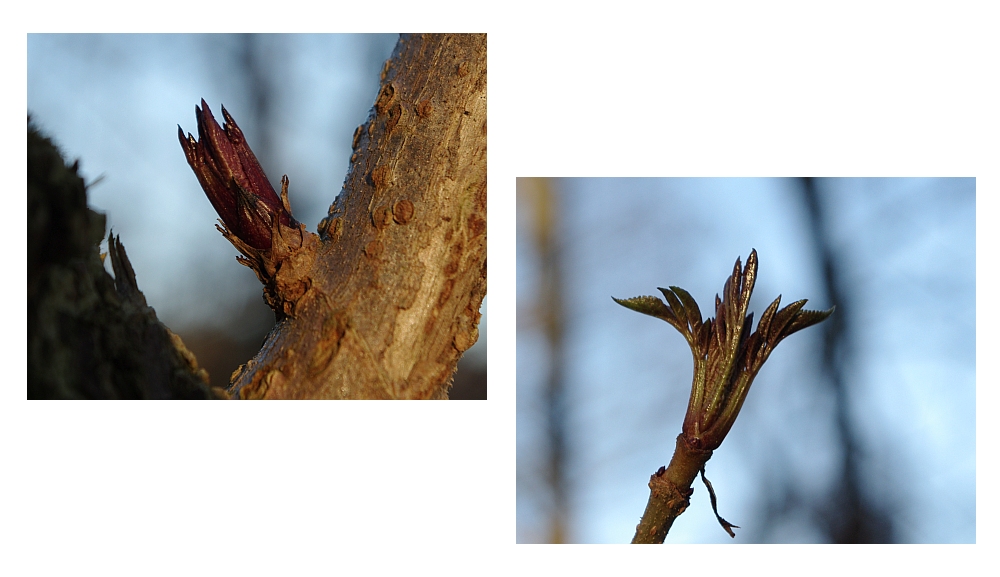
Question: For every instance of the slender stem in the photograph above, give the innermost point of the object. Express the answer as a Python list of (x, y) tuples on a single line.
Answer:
[(697, 393), (669, 490)]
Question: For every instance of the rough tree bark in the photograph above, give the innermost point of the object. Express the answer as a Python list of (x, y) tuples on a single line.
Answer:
[(398, 273), (385, 299)]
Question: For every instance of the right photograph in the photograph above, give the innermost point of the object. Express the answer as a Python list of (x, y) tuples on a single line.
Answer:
[(746, 360)]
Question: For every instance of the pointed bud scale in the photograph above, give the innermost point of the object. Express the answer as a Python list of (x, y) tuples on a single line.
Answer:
[(233, 179)]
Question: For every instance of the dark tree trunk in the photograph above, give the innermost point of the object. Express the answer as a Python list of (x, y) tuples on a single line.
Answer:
[(90, 336)]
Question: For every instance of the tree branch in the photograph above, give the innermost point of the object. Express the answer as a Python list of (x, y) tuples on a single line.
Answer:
[(386, 299)]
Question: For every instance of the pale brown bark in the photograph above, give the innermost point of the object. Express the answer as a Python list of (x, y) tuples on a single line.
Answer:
[(394, 282)]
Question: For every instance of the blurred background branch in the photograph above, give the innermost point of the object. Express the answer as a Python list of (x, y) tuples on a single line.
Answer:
[(549, 315), (850, 515)]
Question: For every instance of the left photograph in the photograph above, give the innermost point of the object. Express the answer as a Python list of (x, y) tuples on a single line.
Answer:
[(257, 216)]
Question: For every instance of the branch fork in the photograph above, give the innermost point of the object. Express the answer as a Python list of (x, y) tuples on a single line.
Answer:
[(385, 300)]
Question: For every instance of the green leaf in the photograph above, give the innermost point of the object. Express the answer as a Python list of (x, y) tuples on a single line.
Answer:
[(675, 305), (649, 305), (693, 312), (781, 321), (807, 319), (764, 325)]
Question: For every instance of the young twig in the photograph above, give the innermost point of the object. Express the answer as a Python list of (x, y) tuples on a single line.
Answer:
[(726, 360)]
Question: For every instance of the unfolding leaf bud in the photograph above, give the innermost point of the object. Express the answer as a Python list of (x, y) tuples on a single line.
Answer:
[(233, 180), (727, 356)]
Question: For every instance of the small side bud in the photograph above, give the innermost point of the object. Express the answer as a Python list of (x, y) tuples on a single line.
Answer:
[(254, 218), (233, 179)]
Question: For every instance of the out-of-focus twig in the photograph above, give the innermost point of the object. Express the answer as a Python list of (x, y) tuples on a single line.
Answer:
[(544, 203), (852, 518)]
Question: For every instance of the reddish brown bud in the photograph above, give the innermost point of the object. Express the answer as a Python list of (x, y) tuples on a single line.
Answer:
[(233, 179)]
